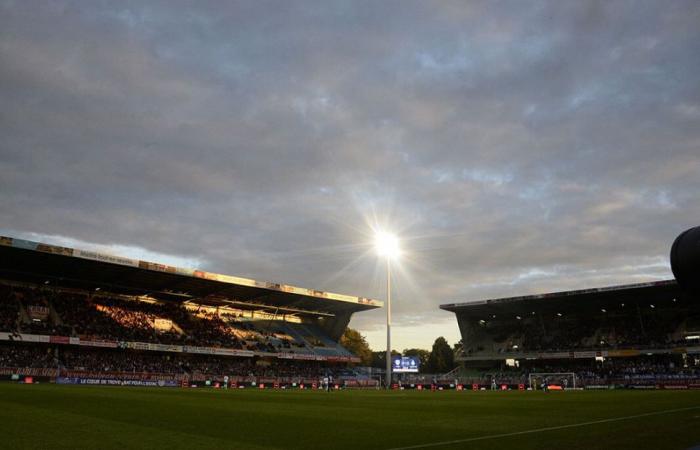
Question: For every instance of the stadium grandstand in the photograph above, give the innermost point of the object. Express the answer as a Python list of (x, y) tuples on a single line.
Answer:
[(639, 335), (78, 316), (615, 331)]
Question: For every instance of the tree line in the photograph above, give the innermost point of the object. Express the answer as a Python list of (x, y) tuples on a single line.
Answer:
[(439, 359)]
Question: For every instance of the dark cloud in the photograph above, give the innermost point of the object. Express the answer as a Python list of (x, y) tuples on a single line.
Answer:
[(520, 147)]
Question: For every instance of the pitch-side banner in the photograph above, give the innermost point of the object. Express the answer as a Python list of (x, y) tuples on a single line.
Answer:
[(297, 356), (165, 348), (24, 337), (89, 343), (117, 382)]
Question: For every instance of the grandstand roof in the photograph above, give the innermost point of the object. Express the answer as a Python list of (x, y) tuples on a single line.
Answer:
[(568, 300), (36, 262)]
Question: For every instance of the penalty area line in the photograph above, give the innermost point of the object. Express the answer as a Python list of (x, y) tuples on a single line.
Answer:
[(542, 430)]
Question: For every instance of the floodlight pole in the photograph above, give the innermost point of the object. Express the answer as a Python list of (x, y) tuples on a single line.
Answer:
[(388, 322)]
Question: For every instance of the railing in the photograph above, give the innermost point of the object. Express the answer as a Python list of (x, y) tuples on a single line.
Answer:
[(453, 372)]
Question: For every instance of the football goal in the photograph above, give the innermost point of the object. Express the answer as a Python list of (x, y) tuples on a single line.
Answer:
[(553, 380)]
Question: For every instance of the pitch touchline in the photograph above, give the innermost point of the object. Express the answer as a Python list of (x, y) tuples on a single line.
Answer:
[(539, 430)]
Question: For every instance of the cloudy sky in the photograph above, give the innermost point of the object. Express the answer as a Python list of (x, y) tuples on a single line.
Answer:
[(516, 147)]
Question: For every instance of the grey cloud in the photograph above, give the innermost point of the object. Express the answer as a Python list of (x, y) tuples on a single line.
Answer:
[(519, 147)]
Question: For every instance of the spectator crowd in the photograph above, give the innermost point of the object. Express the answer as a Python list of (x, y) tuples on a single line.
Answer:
[(99, 316), (122, 361), (640, 324)]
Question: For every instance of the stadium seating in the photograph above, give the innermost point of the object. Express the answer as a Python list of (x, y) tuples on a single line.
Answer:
[(99, 316), (661, 326), (9, 310)]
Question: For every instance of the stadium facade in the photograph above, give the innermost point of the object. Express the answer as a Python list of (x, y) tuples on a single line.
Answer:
[(70, 314)]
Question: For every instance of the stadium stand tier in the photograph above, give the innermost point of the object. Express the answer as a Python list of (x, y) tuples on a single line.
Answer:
[(640, 333), (66, 312), (624, 320)]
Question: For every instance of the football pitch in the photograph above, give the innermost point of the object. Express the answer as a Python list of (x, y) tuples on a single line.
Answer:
[(68, 417)]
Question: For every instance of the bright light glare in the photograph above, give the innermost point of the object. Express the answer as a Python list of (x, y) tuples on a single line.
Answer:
[(386, 244)]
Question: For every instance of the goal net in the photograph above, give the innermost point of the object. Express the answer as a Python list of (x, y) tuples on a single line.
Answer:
[(553, 380)]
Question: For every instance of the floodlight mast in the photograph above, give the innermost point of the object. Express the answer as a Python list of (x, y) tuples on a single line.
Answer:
[(388, 322), (387, 245)]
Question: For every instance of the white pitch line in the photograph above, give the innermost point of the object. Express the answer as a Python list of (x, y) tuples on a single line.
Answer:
[(540, 430)]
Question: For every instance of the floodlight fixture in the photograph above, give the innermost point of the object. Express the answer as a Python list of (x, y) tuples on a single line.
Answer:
[(387, 244)]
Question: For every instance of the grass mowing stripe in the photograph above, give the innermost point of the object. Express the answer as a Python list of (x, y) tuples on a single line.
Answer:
[(100, 432), (119, 418), (541, 430)]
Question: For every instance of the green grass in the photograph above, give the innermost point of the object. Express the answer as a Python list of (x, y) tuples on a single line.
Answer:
[(67, 417)]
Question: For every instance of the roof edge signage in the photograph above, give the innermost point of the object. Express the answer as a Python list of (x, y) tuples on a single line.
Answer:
[(559, 294), (147, 265)]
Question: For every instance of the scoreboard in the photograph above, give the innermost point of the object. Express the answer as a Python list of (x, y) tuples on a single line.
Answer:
[(404, 364)]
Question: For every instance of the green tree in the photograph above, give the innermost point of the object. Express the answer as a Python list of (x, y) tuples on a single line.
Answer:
[(379, 358), (441, 358), (421, 354), (357, 345)]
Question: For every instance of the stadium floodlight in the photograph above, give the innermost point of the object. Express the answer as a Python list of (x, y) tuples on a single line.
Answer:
[(387, 245)]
